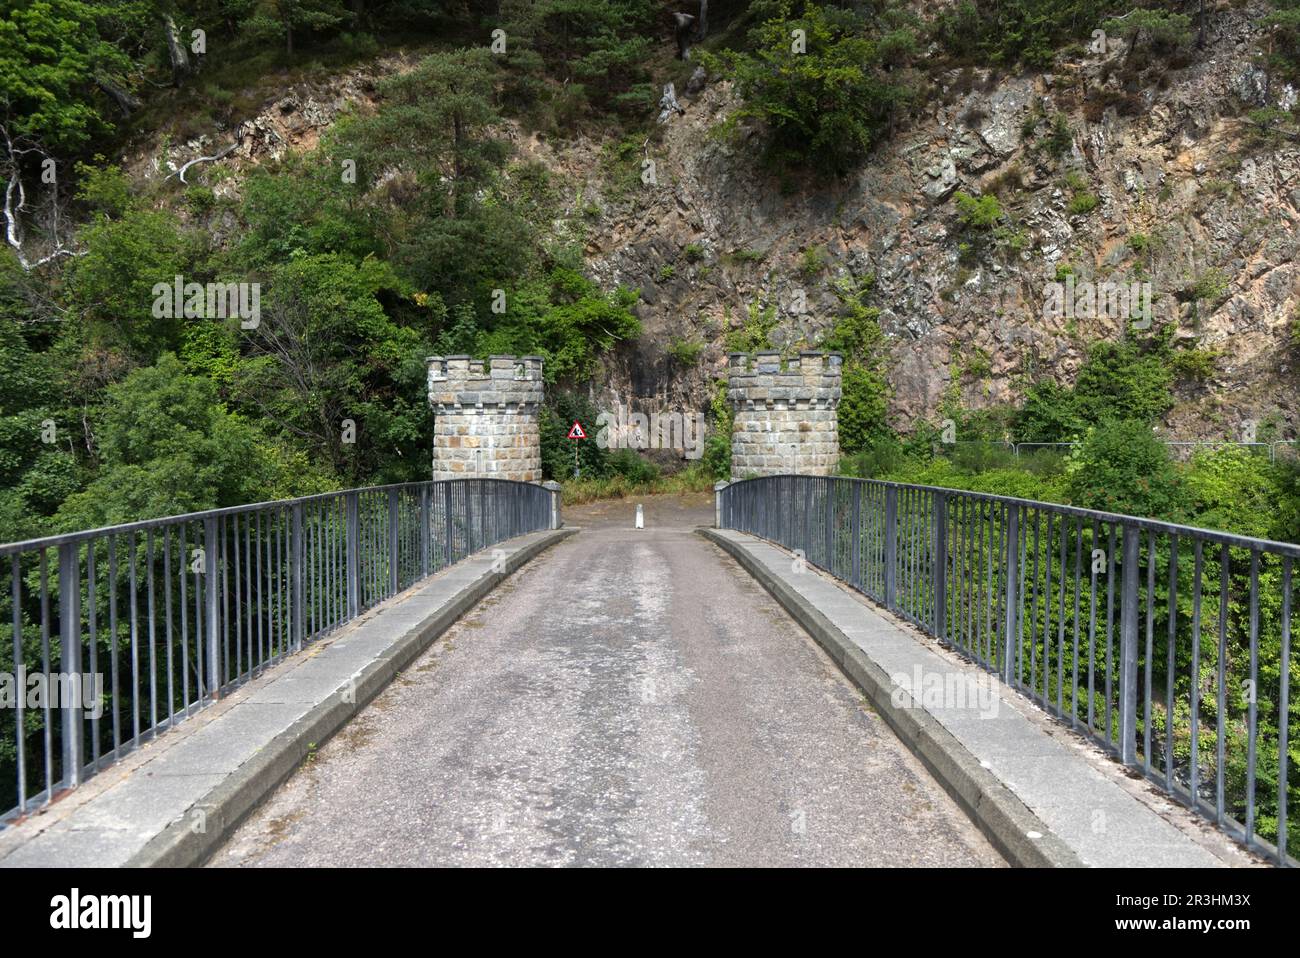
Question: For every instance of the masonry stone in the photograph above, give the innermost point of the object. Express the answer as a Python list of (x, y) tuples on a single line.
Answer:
[(486, 417), (786, 419)]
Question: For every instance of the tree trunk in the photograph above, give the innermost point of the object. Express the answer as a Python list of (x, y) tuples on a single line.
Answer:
[(180, 58), (457, 166), (703, 24), (125, 101)]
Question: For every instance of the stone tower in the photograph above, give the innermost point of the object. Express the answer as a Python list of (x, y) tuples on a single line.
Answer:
[(485, 420), (786, 419)]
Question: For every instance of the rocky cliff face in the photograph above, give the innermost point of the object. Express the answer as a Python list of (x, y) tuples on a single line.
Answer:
[(1184, 195), (1187, 198)]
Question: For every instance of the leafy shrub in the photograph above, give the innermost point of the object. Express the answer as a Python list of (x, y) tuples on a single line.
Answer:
[(716, 461), (1122, 467), (812, 262), (686, 351), (978, 213), (1234, 489), (1060, 138), (1082, 203), (630, 466), (1210, 286), (824, 106), (1125, 380), (1049, 414), (1195, 364), (755, 333)]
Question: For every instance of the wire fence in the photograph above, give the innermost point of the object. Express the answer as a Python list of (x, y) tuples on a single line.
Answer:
[(115, 635), (1168, 645), (1179, 449)]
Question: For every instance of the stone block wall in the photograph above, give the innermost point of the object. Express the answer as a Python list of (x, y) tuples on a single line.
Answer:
[(485, 417), (785, 418)]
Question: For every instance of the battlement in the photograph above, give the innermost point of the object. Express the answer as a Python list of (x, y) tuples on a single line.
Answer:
[(462, 382), (809, 381)]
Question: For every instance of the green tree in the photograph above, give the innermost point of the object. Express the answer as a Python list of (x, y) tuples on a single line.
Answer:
[(433, 124), (292, 19), (1156, 30), (37, 466), (326, 351), (167, 445), (1122, 467), (826, 94), (111, 285), (600, 46), (61, 60), (565, 318), (1128, 380), (1017, 31), (1283, 50)]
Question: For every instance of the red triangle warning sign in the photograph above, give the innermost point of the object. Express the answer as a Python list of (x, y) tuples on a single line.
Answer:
[(576, 432)]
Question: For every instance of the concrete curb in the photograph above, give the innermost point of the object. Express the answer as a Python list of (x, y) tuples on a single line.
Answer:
[(182, 844), (999, 814)]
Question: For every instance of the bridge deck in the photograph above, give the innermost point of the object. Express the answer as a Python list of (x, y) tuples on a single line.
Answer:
[(630, 697)]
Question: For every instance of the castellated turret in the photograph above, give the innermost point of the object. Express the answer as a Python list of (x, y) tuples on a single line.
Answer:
[(485, 419), (785, 419)]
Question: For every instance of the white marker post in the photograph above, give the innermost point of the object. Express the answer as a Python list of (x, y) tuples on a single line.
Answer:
[(640, 517)]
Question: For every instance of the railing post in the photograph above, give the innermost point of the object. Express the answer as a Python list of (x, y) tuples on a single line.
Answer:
[(70, 659), (424, 530), (553, 487), (805, 542), (392, 542), (1129, 649), (891, 544), (353, 558), (1012, 567), (940, 573), (855, 531), (718, 489), (446, 513), (299, 579), (829, 485), (211, 583), (468, 487)]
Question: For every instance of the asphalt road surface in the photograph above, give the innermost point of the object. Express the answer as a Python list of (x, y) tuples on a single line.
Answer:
[(628, 698)]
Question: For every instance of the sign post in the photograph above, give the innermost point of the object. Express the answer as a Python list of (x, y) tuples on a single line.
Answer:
[(576, 433)]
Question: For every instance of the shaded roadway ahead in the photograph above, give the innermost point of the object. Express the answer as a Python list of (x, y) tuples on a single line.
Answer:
[(627, 698)]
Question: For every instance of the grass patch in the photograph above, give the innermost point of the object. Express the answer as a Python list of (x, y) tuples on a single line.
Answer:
[(694, 478)]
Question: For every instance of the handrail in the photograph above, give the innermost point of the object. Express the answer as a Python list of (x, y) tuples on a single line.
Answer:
[(1168, 645), (1154, 525), (82, 535), (169, 614)]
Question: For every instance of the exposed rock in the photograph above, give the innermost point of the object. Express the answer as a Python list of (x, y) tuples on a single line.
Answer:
[(942, 182)]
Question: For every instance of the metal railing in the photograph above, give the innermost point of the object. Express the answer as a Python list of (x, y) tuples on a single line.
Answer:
[(1168, 645), (116, 634)]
